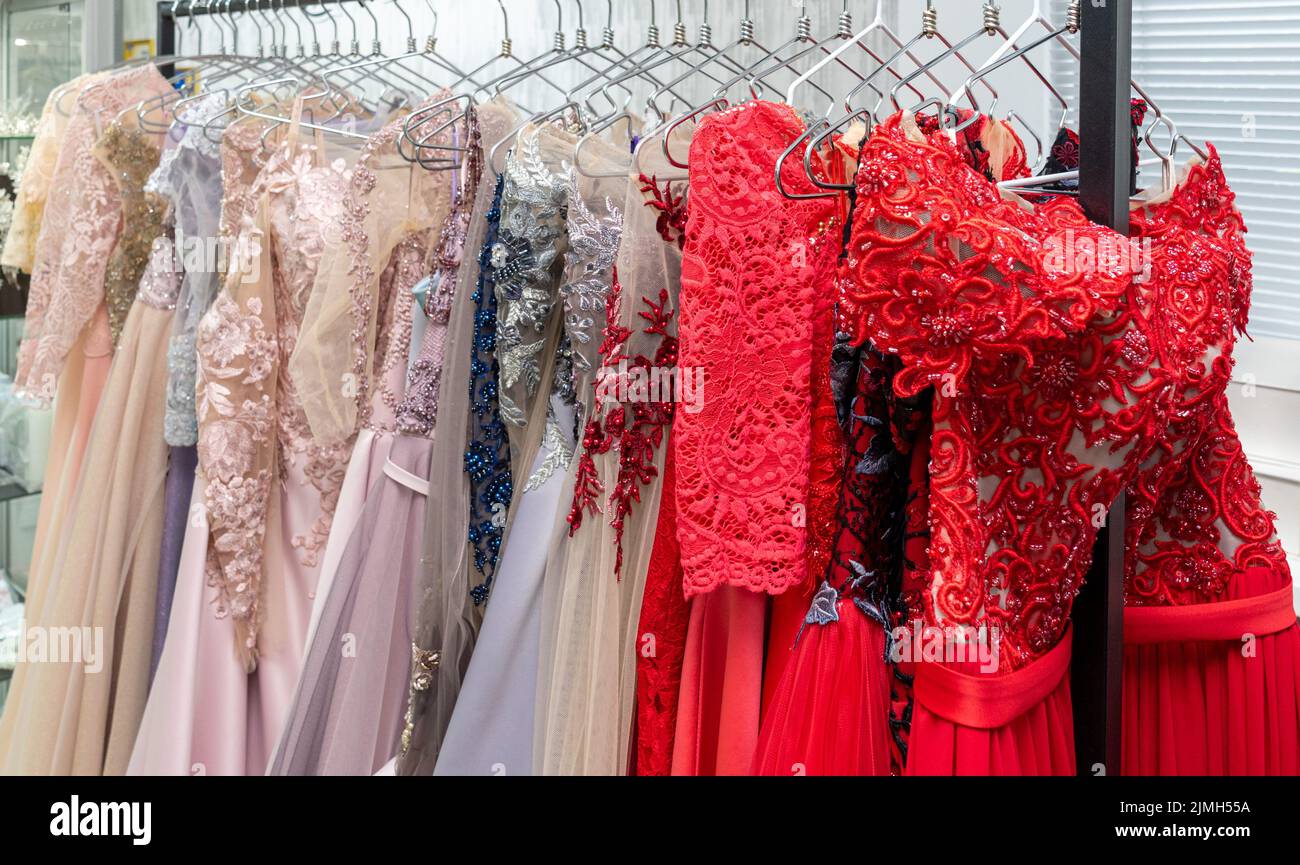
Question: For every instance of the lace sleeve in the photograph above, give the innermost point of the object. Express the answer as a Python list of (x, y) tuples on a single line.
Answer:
[(238, 362), (20, 242), (78, 233), (333, 364), (747, 306)]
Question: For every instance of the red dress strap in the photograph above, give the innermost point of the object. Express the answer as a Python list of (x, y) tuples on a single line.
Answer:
[(1225, 620), (988, 702)]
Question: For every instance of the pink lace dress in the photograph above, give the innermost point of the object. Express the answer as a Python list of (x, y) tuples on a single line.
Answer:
[(67, 345), (265, 493)]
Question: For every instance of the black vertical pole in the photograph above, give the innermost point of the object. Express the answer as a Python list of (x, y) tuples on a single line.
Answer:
[(1105, 162), (166, 38)]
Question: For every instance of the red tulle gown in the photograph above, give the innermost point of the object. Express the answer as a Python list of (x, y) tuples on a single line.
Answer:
[(1056, 367), (840, 708), (1212, 651)]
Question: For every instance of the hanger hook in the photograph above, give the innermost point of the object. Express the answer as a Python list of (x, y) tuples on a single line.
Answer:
[(505, 20), (199, 43), (410, 27), (375, 46), (288, 16), (315, 37), (355, 43), (559, 18)]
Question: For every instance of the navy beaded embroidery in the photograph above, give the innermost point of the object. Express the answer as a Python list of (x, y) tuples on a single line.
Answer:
[(487, 456)]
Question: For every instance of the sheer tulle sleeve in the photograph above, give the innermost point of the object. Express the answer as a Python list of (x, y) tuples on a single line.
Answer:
[(332, 364), (238, 363), (195, 179)]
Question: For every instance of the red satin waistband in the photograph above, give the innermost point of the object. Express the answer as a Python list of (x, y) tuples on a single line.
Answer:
[(1225, 620), (986, 702)]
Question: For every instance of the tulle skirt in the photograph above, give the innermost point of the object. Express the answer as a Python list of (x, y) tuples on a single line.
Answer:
[(1227, 704), (347, 714), (80, 715), (182, 462), (829, 713)]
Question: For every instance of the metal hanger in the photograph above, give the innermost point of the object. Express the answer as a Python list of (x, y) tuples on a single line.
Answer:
[(744, 38), (215, 68), (568, 105), (803, 37), (415, 82), (562, 55), (822, 130), (877, 25), (1008, 49), (680, 50), (990, 26)]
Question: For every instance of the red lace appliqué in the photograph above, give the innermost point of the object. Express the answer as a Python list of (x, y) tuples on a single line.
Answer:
[(671, 206), (1195, 518)]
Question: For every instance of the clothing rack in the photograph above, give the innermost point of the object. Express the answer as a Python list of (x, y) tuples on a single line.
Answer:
[(1105, 166), (1104, 188)]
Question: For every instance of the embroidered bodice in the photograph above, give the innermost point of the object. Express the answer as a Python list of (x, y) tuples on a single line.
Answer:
[(190, 176), (1194, 517), (160, 285), (754, 264), (593, 228), (132, 155), (251, 423), (626, 432), (487, 446), (79, 230), (418, 410), (528, 261), (1054, 372), (350, 362)]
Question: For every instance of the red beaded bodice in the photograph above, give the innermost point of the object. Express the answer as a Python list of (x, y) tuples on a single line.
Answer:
[(1062, 357)]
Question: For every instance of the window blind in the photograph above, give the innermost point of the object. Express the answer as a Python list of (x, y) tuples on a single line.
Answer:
[(1229, 73)]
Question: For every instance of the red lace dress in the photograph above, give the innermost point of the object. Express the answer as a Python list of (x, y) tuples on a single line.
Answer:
[(1212, 650), (756, 277), (1055, 374)]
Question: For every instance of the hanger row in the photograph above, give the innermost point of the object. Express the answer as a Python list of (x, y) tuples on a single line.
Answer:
[(323, 65)]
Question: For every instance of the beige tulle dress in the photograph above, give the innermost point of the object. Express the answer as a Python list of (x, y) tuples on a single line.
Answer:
[(98, 575)]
